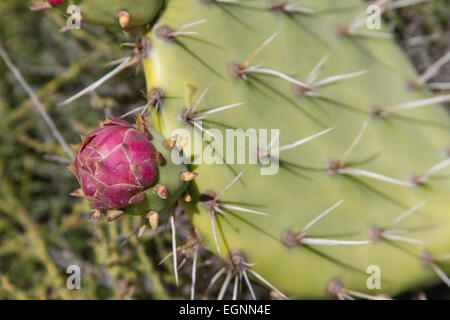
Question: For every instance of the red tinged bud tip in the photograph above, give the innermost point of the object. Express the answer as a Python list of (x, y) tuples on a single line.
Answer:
[(114, 165), (56, 2)]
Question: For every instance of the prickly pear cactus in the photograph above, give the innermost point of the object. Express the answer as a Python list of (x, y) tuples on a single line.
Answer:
[(304, 69), (349, 175)]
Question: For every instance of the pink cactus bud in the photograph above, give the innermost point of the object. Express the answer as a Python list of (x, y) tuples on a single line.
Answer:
[(56, 2), (115, 164)]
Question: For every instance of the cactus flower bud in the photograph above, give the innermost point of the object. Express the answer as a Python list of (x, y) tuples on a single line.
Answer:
[(115, 164), (56, 2)]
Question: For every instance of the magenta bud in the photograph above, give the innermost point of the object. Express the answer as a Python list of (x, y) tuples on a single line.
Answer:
[(56, 2), (114, 165)]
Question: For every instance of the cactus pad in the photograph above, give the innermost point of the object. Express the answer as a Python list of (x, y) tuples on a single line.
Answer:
[(310, 73)]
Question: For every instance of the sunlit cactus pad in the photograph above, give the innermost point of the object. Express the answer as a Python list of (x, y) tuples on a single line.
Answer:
[(376, 179), (117, 13)]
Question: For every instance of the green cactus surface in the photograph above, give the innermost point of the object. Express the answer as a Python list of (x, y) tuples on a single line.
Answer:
[(107, 13), (397, 141)]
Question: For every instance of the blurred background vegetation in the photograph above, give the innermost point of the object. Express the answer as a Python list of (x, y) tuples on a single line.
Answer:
[(42, 228)]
